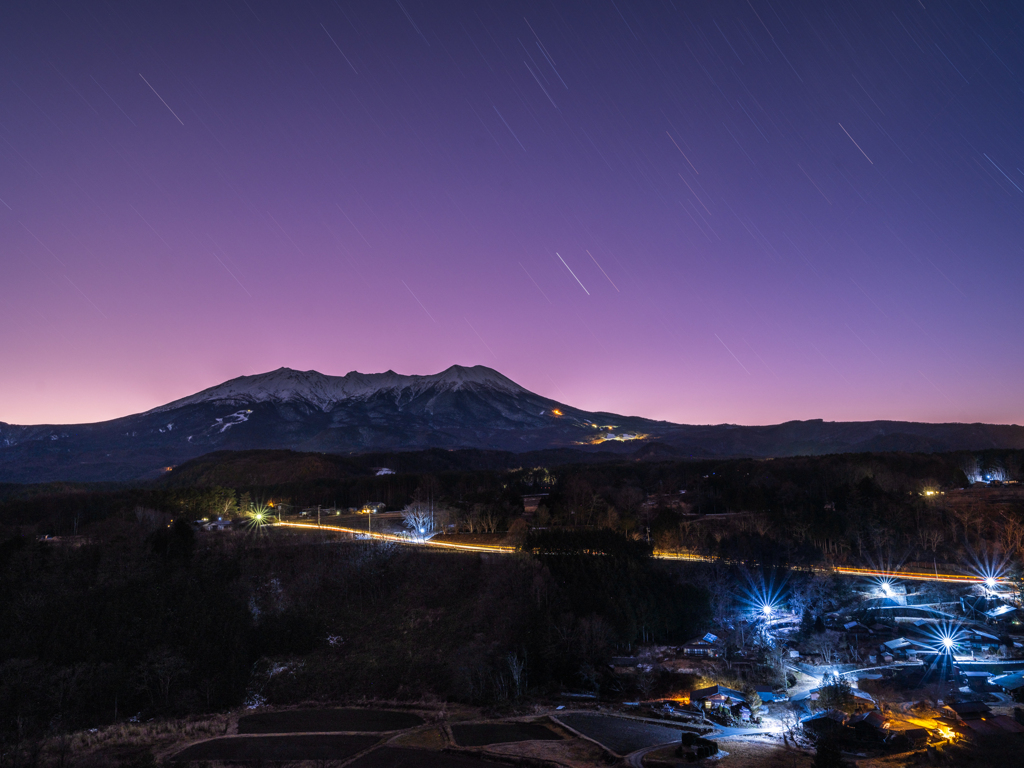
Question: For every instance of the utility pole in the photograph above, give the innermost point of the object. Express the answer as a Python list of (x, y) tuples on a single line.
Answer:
[(317, 515)]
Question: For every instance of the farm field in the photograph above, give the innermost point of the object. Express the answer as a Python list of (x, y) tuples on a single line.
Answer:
[(399, 757), (327, 721), (277, 748), (619, 734), (483, 734)]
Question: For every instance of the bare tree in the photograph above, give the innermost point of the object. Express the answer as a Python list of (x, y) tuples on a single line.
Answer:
[(487, 515), (645, 683), (1011, 535), (161, 669), (762, 524), (517, 670), (790, 718), (828, 644), (630, 500), (930, 538), (419, 518)]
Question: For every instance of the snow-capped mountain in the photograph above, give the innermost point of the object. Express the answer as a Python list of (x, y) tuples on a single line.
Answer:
[(461, 407), (325, 392)]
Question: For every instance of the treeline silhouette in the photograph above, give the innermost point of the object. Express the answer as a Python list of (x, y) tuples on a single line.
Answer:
[(145, 618), (795, 510)]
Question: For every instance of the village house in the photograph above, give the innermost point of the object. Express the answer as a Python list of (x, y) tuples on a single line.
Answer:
[(825, 723), (870, 726), (1011, 683), (976, 718), (717, 696), (707, 646)]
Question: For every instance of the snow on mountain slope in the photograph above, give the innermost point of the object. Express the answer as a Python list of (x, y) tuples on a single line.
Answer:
[(323, 392)]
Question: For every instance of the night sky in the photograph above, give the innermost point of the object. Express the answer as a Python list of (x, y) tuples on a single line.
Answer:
[(706, 212)]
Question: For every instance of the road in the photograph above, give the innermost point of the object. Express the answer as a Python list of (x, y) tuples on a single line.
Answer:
[(950, 578), (400, 538)]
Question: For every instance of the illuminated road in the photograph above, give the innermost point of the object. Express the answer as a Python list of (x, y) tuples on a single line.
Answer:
[(953, 578), (407, 540), (401, 538)]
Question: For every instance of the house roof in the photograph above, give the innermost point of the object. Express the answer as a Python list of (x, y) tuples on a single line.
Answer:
[(969, 708), (1001, 610), (874, 718), (708, 639), (897, 644), (994, 726), (716, 690), (1011, 681), (915, 733), (825, 714), (984, 635), (858, 693)]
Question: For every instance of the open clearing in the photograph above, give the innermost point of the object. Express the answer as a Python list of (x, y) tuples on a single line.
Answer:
[(396, 757), (482, 734), (277, 748), (618, 734), (327, 721)]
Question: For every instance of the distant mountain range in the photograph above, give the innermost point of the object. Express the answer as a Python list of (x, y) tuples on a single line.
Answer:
[(474, 407)]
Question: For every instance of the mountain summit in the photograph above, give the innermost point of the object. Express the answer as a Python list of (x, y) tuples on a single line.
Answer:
[(325, 392), (461, 407)]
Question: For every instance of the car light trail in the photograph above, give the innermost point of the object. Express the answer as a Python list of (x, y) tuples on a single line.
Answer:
[(397, 539), (951, 578)]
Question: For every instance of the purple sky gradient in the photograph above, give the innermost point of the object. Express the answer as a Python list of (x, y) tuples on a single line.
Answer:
[(774, 210)]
